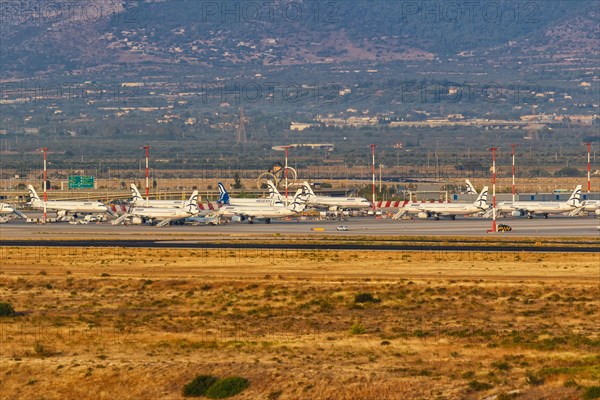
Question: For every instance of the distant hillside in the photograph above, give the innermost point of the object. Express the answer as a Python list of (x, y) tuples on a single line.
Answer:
[(40, 36)]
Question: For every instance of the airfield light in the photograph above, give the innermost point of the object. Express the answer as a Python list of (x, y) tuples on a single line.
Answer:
[(372, 146), (493, 150)]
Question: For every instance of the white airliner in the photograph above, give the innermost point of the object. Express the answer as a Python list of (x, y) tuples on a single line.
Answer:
[(224, 198), (591, 206), (68, 207), (138, 200), (531, 208), (252, 212), (451, 210), (162, 216), (470, 187), (7, 209), (329, 202)]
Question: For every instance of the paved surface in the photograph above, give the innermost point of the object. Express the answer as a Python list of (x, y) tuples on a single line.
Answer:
[(558, 227)]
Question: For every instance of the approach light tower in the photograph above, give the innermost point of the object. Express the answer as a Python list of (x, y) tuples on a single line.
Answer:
[(285, 173), (493, 150), (147, 176), (589, 167), (513, 171), (372, 146), (45, 150)]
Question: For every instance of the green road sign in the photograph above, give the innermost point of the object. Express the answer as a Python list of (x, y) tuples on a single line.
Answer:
[(81, 182)]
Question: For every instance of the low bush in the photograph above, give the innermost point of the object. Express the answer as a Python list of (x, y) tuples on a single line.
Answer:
[(366, 298), (199, 386), (534, 380), (6, 310), (592, 392), (357, 329), (479, 386), (227, 387)]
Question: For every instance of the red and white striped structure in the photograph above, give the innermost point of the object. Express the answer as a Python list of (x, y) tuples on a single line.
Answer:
[(513, 171), (147, 175), (589, 167), (493, 150), (45, 150), (372, 146)]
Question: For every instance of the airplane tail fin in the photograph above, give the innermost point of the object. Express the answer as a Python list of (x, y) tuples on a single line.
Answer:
[(33, 194), (191, 204), (136, 196), (298, 204), (481, 201), (273, 192), (224, 196), (575, 199), (307, 189), (470, 187)]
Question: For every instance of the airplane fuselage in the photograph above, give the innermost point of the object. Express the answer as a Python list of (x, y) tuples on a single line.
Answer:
[(6, 209), (256, 212), (157, 213), (339, 202), (72, 206), (159, 203), (256, 203), (534, 207)]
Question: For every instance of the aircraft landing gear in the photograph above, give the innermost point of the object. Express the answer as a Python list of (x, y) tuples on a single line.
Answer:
[(545, 216), (436, 218), (453, 217), (250, 220), (268, 221)]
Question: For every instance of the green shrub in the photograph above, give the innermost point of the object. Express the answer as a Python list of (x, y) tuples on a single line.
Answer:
[(479, 386), (227, 387), (533, 379), (501, 365), (592, 392), (357, 329), (6, 310), (365, 298), (199, 386)]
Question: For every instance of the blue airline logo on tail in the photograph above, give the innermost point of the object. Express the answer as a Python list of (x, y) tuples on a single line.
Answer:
[(224, 196)]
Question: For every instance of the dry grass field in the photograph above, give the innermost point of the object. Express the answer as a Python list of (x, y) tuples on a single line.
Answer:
[(139, 323)]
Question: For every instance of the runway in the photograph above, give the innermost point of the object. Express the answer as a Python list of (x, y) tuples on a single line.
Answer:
[(557, 227)]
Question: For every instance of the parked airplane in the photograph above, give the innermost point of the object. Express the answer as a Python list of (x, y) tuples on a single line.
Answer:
[(162, 216), (138, 200), (224, 198), (470, 187), (531, 208), (69, 207), (7, 209), (252, 212), (437, 210), (329, 202)]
